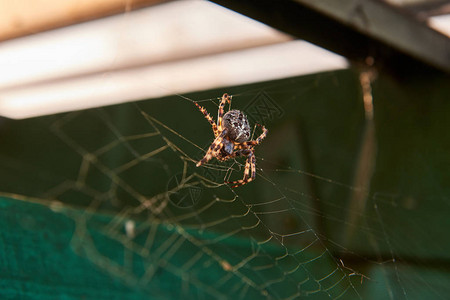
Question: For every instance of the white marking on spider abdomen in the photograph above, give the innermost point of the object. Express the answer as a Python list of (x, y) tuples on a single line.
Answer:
[(237, 124)]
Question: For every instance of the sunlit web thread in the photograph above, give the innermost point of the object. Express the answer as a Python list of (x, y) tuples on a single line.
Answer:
[(368, 229), (245, 261), (320, 238), (262, 175), (319, 256), (280, 237), (390, 250), (334, 183), (325, 179), (317, 239), (90, 159), (160, 258)]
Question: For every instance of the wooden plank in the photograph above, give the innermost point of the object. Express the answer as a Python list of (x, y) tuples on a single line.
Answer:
[(356, 30), (25, 17), (391, 26)]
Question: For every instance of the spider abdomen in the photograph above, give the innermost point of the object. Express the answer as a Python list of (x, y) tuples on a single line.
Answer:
[(237, 125)]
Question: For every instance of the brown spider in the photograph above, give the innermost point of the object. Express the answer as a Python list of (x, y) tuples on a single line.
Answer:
[(231, 133)]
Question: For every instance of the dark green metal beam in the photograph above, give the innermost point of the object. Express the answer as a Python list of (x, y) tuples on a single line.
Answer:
[(355, 29)]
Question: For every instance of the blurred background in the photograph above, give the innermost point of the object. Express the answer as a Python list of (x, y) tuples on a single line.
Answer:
[(99, 191)]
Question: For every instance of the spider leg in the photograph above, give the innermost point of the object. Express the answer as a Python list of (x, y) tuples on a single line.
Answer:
[(240, 152), (250, 168), (213, 150), (209, 118), (255, 142), (225, 98)]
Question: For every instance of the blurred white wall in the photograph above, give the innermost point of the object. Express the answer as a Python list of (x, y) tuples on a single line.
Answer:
[(177, 47)]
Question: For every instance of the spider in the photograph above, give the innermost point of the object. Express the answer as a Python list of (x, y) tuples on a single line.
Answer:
[(231, 133)]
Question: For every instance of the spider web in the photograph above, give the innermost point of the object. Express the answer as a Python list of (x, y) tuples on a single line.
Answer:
[(145, 215)]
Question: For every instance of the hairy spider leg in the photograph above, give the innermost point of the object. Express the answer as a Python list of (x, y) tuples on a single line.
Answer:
[(214, 149), (240, 152), (225, 98), (209, 118), (255, 142), (250, 168)]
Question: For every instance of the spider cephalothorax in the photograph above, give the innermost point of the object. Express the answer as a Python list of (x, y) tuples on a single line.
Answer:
[(231, 133)]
